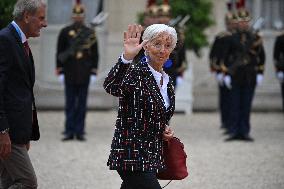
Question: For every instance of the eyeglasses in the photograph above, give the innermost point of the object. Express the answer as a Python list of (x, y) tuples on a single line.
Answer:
[(160, 46)]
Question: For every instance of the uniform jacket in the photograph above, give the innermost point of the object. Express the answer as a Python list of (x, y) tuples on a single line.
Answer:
[(217, 50), (17, 77), (278, 53), (83, 61), (142, 116), (244, 57)]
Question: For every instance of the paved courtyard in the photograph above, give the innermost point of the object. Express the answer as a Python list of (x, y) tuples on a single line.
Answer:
[(213, 163)]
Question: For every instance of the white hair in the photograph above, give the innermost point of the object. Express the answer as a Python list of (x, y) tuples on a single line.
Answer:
[(30, 6), (152, 31)]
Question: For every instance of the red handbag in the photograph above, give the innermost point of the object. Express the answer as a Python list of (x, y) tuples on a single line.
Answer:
[(175, 159)]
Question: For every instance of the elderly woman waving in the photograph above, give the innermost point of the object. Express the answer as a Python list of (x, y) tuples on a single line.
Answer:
[(146, 105)]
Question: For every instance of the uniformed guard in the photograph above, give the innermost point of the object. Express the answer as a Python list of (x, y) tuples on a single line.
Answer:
[(278, 55), (216, 52), (243, 68), (76, 65)]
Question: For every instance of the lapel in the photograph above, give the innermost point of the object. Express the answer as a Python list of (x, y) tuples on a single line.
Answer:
[(171, 94), (24, 62), (152, 86)]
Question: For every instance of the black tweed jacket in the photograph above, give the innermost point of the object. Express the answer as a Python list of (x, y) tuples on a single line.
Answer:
[(137, 142)]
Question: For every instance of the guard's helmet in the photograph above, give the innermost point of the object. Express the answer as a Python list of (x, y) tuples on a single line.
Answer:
[(78, 9), (157, 13), (231, 17), (154, 9), (244, 15), (242, 12)]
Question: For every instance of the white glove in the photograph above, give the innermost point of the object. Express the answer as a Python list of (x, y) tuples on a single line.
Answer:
[(259, 79), (220, 78), (280, 76), (179, 80), (228, 81), (61, 78), (93, 79)]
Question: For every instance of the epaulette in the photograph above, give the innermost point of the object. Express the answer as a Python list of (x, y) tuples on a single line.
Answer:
[(224, 34)]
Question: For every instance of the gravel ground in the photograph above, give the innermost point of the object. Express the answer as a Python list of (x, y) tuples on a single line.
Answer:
[(213, 163)]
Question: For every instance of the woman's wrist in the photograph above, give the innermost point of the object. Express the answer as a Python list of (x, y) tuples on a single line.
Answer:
[(124, 60), (127, 57)]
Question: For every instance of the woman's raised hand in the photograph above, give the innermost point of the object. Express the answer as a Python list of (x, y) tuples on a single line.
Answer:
[(131, 41)]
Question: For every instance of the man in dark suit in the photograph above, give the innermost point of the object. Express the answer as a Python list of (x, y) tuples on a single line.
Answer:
[(76, 63), (18, 121)]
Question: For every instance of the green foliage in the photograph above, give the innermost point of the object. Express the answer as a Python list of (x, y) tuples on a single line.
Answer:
[(140, 17), (200, 19), (6, 9)]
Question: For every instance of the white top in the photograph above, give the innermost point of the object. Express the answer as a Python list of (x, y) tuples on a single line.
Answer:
[(157, 76)]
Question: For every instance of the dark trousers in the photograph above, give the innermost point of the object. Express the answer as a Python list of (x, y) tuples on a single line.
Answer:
[(282, 92), (224, 105), (75, 108), (241, 103), (138, 180)]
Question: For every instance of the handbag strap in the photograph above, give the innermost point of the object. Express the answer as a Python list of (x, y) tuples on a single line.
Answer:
[(167, 183)]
